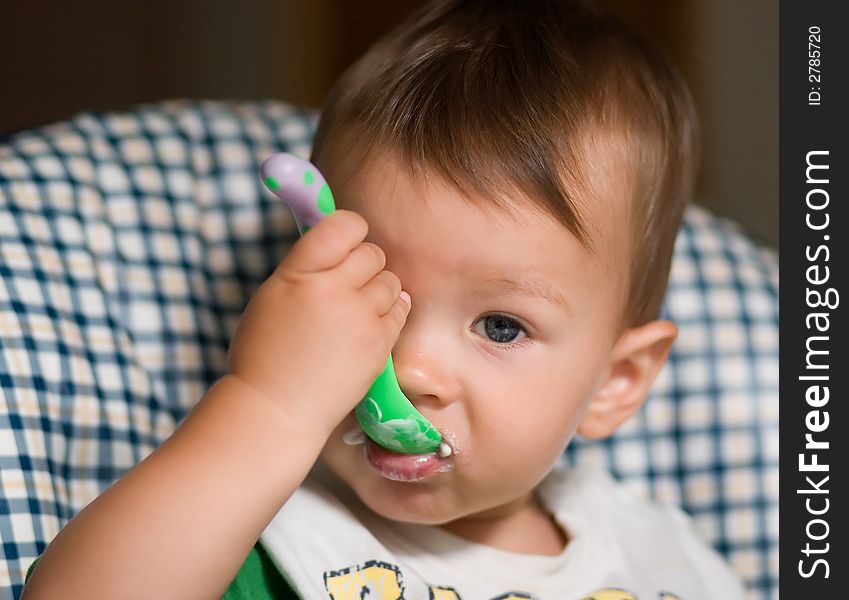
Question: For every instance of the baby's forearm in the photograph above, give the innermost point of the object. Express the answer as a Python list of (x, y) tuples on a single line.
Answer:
[(180, 524)]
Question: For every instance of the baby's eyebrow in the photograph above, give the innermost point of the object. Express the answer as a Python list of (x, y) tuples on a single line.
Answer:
[(531, 287)]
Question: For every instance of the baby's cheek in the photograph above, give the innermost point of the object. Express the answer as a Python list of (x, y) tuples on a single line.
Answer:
[(528, 449)]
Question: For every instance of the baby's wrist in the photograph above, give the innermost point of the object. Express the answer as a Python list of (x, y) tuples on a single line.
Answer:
[(293, 427)]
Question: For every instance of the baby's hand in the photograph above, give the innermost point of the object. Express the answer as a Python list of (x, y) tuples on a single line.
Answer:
[(318, 331)]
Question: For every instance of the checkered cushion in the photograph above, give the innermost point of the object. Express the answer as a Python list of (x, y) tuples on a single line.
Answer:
[(129, 244)]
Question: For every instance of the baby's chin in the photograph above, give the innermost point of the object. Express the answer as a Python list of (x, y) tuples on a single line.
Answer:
[(419, 505), (418, 509)]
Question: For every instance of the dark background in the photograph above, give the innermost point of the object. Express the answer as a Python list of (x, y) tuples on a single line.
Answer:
[(804, 129), (63, 57)]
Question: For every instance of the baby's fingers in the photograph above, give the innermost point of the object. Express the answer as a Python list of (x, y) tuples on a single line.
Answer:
[(397, 314), (363, 264), (383, 291), (327, 244)]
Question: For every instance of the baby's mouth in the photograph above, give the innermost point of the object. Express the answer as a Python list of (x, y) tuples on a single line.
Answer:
[(402, 467)]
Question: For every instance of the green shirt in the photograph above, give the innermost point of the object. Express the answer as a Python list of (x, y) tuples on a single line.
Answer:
[(259, 579)]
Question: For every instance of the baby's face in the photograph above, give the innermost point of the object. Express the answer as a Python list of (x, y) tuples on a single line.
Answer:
[(509, 336)]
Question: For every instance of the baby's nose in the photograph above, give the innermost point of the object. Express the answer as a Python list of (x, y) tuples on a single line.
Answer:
[(425, 375)]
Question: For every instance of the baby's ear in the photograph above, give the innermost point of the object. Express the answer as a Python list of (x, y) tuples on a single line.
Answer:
[(637, 356)]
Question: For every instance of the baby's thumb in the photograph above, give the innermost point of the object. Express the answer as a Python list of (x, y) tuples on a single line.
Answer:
[(328, 243)]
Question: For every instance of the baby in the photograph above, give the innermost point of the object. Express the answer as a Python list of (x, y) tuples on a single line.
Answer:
[(520, 168)]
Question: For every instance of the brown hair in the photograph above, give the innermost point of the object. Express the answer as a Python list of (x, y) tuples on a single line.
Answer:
[(499, 95)]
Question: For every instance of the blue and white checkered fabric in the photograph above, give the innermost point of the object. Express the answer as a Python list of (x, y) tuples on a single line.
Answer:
[(130, 243)]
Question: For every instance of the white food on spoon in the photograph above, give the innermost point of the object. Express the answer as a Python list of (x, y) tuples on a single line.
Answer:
[(355, 437)]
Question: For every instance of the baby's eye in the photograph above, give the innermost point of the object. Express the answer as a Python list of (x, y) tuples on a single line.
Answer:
[(501, 328)]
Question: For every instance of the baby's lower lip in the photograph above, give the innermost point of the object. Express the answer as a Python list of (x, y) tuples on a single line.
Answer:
[(404, 467)]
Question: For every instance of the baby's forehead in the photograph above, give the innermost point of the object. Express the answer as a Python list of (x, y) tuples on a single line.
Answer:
[(598, 195), (520, 223), (602, 206), (604, 232)]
